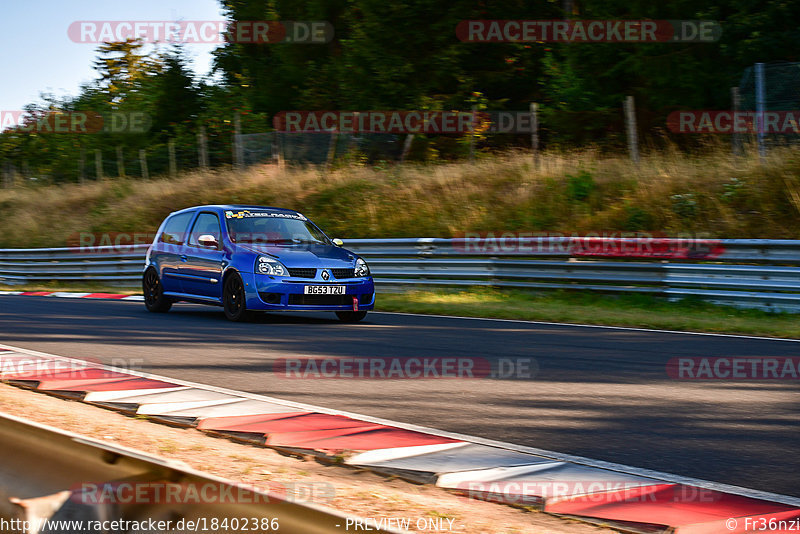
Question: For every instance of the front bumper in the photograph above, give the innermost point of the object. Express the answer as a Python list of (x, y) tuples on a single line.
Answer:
[(273, 293)]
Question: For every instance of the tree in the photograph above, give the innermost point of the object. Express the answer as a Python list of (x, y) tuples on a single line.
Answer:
[(177, 97), (123, 69)]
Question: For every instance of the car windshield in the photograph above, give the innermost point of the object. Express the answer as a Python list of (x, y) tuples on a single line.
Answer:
[(273, 228)]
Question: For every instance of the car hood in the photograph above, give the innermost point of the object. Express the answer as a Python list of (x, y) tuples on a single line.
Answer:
[(304, 255)]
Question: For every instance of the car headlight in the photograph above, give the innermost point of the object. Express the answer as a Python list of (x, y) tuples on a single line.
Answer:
[(266, 265), (361, 268)]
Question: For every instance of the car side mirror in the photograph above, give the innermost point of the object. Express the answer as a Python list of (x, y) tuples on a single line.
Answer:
[(338, 242), (208, 240)]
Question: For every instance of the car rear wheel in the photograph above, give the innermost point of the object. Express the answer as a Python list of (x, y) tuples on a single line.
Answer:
[(153, 291), (234, 299), (351, 317)]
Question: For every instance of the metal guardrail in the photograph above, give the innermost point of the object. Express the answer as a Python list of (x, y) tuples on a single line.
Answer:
[(53, 475), (742, 272)]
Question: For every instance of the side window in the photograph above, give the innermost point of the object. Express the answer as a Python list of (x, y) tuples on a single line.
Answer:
[(175, 230), (206, 223)]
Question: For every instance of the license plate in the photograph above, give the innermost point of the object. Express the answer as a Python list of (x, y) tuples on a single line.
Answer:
[(324, 290)]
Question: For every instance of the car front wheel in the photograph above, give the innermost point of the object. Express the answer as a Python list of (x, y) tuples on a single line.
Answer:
[(351, 317), (153, 291), (234, 299)]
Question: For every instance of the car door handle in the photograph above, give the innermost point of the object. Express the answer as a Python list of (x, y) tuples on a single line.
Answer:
[(183, 257)]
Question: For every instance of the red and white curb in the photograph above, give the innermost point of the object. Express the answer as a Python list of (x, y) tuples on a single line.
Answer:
[(624, 497), (72, 295)]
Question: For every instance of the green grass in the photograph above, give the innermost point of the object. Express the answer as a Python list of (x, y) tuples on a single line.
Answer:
[(642, 311)]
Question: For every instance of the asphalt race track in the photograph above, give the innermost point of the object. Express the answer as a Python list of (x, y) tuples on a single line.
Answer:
[(601, 393)]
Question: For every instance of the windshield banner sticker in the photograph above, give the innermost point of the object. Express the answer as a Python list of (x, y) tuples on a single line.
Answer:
[(245, 214)]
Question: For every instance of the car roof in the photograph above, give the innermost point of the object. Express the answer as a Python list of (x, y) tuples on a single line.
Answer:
[(235, 207)]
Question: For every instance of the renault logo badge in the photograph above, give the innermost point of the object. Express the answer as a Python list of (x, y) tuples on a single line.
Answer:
[(325, 274)]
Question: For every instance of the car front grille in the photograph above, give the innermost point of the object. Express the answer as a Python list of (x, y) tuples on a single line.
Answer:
[(296, 272), (328, 300), (302, 273), (321, 300)]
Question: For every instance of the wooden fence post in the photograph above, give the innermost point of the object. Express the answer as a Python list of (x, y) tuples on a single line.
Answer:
[(202, 148), (238, 149), (173, 165), (535, 132), (630, 127), (736, 141), (98, 164), (143, 163), (120, 162)]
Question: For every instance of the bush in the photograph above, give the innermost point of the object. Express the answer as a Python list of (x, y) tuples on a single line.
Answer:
[(580, 186)]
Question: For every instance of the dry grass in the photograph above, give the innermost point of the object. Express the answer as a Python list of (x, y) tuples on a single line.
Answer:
[(669, 192)]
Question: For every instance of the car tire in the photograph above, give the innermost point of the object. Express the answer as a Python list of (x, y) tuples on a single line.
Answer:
[(351, 317), (234, 299), (153, 291)]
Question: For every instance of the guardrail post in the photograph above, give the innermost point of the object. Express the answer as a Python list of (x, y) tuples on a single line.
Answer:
[(425, 246), (491, 270)]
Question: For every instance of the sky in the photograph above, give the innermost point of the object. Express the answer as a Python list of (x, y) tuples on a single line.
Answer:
[(37, 55)]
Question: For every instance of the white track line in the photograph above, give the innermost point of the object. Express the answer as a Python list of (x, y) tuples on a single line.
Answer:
[(600, 464)]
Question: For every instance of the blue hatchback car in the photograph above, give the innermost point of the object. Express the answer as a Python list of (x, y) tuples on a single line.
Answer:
[(253, 258)]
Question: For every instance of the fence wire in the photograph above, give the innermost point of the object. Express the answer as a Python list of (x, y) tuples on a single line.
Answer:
[(781, 93)]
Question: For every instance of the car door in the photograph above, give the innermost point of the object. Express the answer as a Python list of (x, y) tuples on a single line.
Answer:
[(201, 266), (166, 254)]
